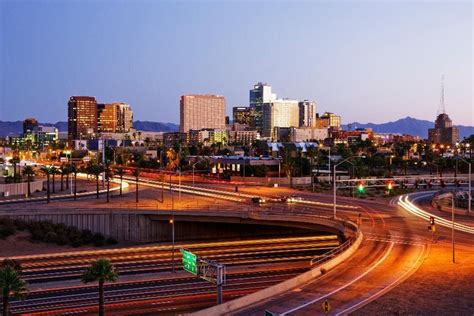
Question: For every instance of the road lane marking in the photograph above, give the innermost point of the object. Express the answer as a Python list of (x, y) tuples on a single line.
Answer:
[(382, 291), (345, 285)]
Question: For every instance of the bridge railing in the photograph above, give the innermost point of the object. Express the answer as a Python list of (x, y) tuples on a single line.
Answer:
[(318, 260)]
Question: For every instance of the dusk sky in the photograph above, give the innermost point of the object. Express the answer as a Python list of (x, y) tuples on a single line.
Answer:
[(367, 61)]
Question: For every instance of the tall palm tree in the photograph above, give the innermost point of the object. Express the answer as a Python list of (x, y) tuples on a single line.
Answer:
[(11, 284), (46, 170), (136, 173), (120, 171), (101, 270), (62, 171), (67, 172), (29, 173), (74, 171), (108, 176), (95, 170), (54, 172), (14, 161)]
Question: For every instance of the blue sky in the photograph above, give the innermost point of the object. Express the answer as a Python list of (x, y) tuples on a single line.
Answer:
[(368, 61)]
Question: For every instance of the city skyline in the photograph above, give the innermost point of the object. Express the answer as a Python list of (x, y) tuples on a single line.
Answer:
[(383, 79)]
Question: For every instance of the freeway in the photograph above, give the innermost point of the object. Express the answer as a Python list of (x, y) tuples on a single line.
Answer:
[(252, 264)]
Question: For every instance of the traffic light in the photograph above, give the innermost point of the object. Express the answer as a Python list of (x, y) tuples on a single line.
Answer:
[(390, 186), (417, 184), (360, 188), (432, 220)]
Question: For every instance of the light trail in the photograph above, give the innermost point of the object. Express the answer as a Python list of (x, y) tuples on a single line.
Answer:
[(406, 204)]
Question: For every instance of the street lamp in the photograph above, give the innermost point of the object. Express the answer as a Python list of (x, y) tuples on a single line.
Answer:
[(469, 184), (172, 240), (194, 164), (334, 180)]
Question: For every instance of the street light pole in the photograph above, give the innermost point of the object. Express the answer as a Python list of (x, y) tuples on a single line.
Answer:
[(469, 184), (172, 240), (334, 181), (452, 219)]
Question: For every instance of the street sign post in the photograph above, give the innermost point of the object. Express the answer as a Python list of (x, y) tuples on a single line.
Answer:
[(189, 261)]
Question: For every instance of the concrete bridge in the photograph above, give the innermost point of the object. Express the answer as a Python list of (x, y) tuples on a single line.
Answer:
[(148, 226)]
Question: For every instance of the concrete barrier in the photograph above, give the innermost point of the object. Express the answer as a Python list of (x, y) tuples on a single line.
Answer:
[(21, 188), (280, 288)]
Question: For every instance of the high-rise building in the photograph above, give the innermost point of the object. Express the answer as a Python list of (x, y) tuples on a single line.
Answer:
[(107, 118), (329, 120), (201, 111), (260, 94), (29, 125), (443, 132), (114, 118), (307, 113), (82, 117), (279, 113), (124, 118), (242, 115)]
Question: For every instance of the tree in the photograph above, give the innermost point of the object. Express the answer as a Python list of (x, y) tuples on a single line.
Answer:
[(14, 161), (11, 283), (74, 171), (95, 170), (173, 159), (101, 270), (120, 171), (108, 175), (29, 173), (46, 170), (53, 172), (136, 173), (62, 171)]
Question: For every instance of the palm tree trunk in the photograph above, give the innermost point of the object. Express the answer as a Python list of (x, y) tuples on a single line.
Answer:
[(108, 189), (6, 306), (67, 181), (136, 189), (62, 182), (97, 185), (54, 185), (28, 180), (48, 192), (101, 299), (121, 179), (75, 185)]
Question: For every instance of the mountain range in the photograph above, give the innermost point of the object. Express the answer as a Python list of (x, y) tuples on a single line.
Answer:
[(407, 125), (9, 128)]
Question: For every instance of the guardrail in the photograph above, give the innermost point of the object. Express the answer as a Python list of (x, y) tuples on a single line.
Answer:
[(318, 260)]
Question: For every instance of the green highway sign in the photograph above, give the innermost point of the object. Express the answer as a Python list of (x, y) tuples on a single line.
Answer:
[(189, 261)]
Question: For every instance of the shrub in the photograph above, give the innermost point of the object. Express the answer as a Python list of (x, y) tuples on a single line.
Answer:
[(111, 241)]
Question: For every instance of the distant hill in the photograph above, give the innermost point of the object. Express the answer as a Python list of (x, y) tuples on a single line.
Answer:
[(8, 128), (155, 126), (408, 125)]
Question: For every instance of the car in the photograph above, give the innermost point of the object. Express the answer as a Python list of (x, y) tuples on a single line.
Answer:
[(258, 200), (294, 199)]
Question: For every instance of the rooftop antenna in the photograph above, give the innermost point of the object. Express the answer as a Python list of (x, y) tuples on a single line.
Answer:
[(441, 109)]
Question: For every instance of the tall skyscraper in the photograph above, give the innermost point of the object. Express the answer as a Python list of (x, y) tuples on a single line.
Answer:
[(307, 113), (279, 113), (82, 117), (329, 120), (260, 94), (125, 118), (200, 111), (107, 118), (114, 118)]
